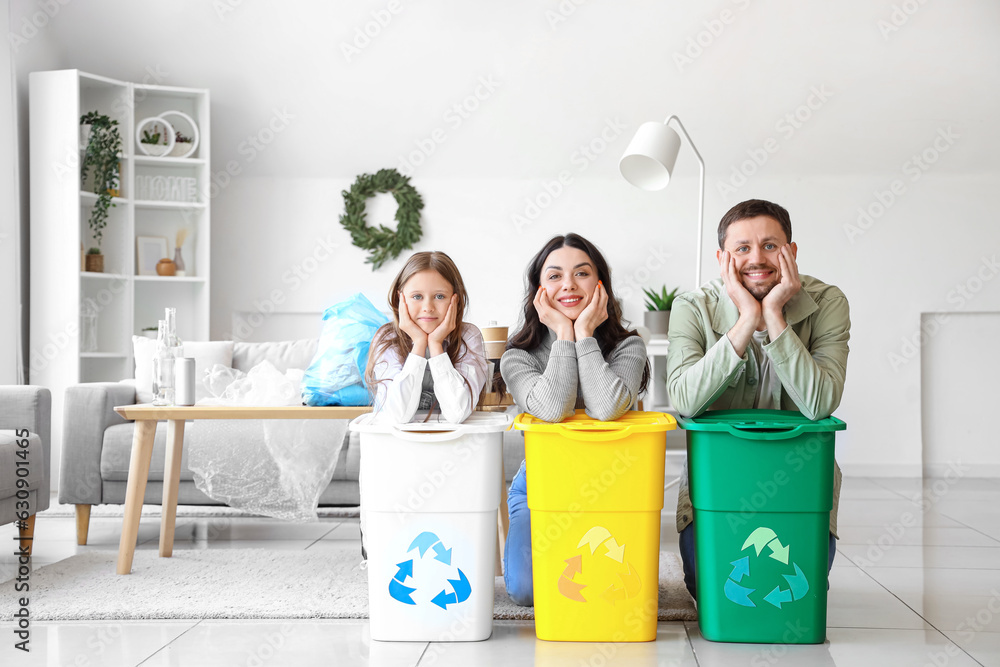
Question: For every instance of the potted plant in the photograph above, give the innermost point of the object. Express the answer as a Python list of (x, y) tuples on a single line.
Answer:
[(657, 315), (155, 136), (182, 145), (95, 260), (104, 143), (150, 332)]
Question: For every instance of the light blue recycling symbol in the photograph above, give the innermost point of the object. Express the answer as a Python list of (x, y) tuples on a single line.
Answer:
[(461, 589), (760, 539)]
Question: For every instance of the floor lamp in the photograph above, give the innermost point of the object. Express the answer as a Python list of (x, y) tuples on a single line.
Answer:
[(649, 160)]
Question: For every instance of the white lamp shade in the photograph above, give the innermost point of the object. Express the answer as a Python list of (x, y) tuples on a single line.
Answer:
[(650, 156)]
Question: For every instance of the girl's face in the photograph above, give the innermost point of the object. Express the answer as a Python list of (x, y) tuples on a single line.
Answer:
[(427, 295), (569, 278)]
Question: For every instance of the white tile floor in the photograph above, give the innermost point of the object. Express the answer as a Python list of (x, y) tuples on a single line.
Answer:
[(916, 582)]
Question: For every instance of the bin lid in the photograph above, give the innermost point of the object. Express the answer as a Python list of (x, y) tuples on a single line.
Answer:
[(632, 421), (760, 424), (478, 422)]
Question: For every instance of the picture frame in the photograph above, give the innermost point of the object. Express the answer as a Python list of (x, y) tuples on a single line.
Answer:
[(148, 251)]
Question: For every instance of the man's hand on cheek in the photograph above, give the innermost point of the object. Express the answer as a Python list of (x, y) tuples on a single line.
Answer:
[(789, 285), (745, 302)]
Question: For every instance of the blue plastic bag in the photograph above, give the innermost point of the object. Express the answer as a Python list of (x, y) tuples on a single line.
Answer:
[(336, 374)]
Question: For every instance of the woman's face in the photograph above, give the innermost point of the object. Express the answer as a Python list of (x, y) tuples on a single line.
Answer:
[(569, 277), (427, 295)]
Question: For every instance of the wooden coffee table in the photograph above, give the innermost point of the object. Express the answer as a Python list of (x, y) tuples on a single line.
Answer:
[(145, 417)]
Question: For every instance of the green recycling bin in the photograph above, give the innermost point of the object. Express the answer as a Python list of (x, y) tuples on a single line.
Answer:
[(762, 491)]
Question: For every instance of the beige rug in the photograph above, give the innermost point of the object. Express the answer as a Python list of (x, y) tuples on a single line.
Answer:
[(243, 583)]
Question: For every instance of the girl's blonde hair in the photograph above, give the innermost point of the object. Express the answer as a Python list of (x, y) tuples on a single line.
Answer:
[(391, 337)]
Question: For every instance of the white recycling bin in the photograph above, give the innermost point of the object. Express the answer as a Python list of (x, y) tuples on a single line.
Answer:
[(430, 493)]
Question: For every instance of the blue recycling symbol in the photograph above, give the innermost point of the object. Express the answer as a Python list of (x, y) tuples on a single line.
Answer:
[(797, 583), (461, 589)]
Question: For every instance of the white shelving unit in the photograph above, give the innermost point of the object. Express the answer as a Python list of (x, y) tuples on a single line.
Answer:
[(60, 210)]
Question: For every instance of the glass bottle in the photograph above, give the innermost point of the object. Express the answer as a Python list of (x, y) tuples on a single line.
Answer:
[(163, 367), (173, 341), (88, 326)]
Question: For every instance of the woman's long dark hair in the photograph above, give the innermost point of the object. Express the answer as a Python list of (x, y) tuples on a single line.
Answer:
[(609, 334)]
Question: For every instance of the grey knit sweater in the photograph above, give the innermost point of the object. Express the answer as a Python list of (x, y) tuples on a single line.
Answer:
[(559, 376)]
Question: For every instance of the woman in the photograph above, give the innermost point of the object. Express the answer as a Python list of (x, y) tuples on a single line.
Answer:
[(570, 352)]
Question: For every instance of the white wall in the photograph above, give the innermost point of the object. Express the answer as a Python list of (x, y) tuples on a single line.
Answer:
[(879, 95), (10, 301)]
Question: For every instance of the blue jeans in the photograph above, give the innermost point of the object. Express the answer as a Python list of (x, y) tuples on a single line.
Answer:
[(687, 557), (517, 550)]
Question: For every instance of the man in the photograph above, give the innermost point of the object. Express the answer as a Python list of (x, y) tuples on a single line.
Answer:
[(761, 336)]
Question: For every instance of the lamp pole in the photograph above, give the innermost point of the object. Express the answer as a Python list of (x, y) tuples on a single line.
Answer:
[(701, 198)]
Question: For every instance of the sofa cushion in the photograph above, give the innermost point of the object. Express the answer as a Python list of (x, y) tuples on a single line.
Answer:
[(284, 355), (206, 354), (36, 463)]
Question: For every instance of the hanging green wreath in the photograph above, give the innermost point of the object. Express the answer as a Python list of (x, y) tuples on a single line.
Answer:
[(383, 243)]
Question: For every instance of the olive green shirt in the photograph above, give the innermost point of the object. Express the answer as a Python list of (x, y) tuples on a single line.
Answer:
[(809, 358)]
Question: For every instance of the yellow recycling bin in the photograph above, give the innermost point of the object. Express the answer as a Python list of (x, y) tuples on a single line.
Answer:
[(595, 491)]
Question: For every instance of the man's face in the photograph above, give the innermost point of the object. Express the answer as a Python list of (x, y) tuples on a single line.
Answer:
[(754, 244)]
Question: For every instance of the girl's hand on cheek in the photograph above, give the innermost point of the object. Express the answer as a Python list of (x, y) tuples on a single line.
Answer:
[(408, 326), (447, 325)]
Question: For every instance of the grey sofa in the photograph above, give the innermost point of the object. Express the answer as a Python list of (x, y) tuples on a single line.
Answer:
[(97, 443), (25, 417)]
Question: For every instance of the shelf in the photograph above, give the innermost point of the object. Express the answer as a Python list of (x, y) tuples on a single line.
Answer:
[(91, 198), (102, 355), (103, 276), (153, 204), (169, 279), (168, 161)]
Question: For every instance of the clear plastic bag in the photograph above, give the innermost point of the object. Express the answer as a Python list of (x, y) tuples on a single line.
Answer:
[(336, 374), (271, 467)]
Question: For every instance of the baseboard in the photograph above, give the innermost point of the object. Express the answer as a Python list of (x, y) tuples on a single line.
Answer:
[(979, 470), (881, 469)]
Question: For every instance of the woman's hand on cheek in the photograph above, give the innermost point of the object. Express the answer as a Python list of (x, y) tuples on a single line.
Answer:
[(594, 315), (552, 318)]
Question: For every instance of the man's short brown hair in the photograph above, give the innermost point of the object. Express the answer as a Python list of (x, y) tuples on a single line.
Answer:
[(752, 208)]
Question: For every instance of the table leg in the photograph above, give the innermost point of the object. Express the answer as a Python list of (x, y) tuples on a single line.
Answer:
[(135, 491), (171, 480)]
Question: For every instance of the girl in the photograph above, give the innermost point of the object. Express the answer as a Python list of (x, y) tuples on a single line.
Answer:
[(427, 356), (571, 351)]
